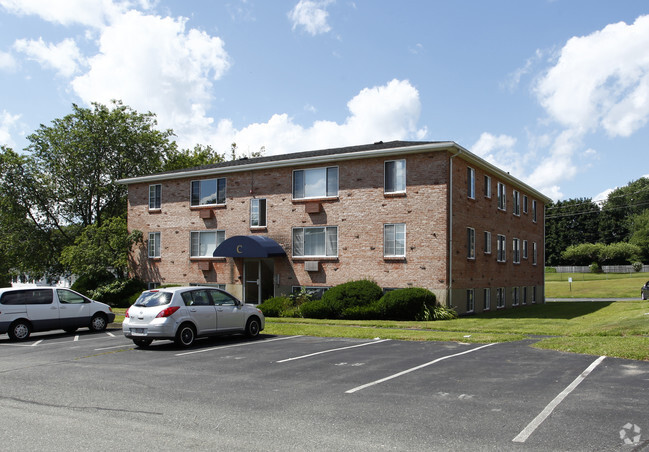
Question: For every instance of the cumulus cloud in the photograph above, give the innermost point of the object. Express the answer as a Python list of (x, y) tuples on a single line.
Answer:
[(311, 15), (94, 13), (601, 80), (63, 57), (8, 122), (381, 113)]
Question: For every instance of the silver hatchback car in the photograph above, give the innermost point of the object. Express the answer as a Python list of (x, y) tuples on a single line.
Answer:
[(184, 313)]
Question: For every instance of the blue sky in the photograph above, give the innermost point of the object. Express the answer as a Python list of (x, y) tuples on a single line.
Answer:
[(554, 91)]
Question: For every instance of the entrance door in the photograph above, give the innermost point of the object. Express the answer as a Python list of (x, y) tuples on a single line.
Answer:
[(258, 280)]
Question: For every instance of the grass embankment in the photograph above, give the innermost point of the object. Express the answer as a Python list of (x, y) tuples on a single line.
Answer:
[(594, 285)]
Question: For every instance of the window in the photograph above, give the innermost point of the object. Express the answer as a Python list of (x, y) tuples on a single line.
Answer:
[(470, 182), (394, 240), (315, 241), (487, 299), (517, 203), (487, 242), (534, 294), (395, 176), (516, 247), (470, 300), (470, 243), (515, 296), (533, 253), (155, 196), (502, 253), (27, 296), (524, 203), (487, 187), (154, 244), (203, 243), (257, 213), (524, 249), (524, 300), (534, 210), (500, 297), (502, 201), (222, 298), (208, 192), (315, 183), (316, 292)]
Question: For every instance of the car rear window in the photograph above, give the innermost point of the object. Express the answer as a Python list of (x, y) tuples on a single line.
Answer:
[(150, 299), (30, 296)]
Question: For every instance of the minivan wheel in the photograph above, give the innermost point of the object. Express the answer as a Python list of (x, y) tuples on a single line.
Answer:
[(185, 335), (20, 330), (142, 343), (252, 327), (98, 323)]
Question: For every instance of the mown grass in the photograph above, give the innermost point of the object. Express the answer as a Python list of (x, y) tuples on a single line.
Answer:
[(594, 285)]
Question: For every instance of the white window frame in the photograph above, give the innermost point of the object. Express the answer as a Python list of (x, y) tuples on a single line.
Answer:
[(154, 245), (258, 213), (516, 248), (196, 242), (155, 196), (328, 186), (534, 253), (330, 233), (487, 242), (517, 202), (534, 210), (398, 171), (487, 299), (219, 194), (470, 182), (470, 243), (501, 255), (396, 232), (470, 300), (487, 186), (502, 196)]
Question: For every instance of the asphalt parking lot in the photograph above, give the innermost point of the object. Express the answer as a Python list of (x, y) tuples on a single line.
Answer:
[(85, 390)]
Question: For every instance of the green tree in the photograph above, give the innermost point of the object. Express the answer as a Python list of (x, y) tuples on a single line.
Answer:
[(186, 158), (640, 233), (619, 208), (569, 223)]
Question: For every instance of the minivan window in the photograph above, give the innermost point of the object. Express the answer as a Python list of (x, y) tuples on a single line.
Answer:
[(150, 299), (67, 297), (29, 296)]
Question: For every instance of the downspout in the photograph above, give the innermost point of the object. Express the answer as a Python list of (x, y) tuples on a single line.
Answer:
[(449, 299)]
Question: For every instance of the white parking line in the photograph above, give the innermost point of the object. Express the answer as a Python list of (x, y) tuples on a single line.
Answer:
[(76, 338), (114, 346), (110, 334), (538, 420), (236, 345), (358, 388), (332, 350)]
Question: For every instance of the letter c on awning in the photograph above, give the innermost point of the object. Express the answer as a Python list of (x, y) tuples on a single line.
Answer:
[(249, 246)]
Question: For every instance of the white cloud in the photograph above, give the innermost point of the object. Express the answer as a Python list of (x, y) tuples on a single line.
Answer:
[(311, 15), (382, 113), (167, 69), (94, 13), (8, 122), (601, 80), (64, 57), (499, 151), (7, 61)]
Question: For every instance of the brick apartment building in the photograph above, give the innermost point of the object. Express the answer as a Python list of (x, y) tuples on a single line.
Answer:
[(403, 214)]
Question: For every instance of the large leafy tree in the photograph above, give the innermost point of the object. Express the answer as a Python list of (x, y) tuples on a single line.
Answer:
[(569, 223), (619, 208), (640, 233)]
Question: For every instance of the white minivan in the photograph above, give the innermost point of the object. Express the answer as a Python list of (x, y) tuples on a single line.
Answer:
[(24, 310)]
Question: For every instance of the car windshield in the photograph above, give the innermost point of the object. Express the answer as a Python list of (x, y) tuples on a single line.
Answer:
[(150, 299)]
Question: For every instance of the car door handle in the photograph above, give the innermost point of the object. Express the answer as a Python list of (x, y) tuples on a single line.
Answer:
[(193, 309)]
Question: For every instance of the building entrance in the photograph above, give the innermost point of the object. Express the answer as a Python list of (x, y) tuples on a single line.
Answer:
[(258, 277)]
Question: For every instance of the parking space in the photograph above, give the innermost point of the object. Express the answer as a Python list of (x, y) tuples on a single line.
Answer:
[(308, 393)]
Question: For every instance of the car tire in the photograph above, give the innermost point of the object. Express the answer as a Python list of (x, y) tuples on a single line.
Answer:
[(252, 327), (69, 330), (19, 330), (99, 322), (142, 343), (185, 335)]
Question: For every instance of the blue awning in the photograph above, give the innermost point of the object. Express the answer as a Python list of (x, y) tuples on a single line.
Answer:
[(249, 246)]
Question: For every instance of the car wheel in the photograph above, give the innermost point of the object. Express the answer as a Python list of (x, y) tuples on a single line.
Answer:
[(98, 323), (142, 343), (252, 327), (185, 335), (20, 330), (69, 330)]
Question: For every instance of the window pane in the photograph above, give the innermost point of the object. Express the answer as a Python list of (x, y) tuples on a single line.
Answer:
[(196, 193), (314, 241), (262, 212), (208, 191), (207, 244), (332, 181), (220, 197), (395, 176), (298, 184), (388, 240), (332, 241), (254, 212), (400, 239), (315, 183), (298, 242)]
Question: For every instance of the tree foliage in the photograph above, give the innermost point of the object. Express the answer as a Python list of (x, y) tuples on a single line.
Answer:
[(186, 158), (612, 254), (569, 223), (620, 206)]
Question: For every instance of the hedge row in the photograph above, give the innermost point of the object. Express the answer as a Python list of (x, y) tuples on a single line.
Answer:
[(361, 300)]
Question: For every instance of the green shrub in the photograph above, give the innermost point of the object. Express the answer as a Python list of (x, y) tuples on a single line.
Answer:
[(442, 313), (408, 304), (118, 292), (595, 268), (350, 294), (316, 309), (86, 284), (369, 312), (275, 306), (637, 266)]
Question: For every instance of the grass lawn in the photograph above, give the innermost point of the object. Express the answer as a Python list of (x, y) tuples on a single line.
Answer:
[(594, 285)]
